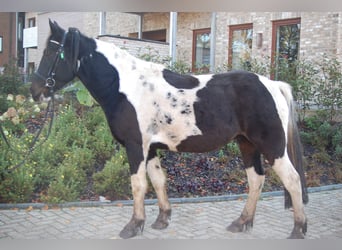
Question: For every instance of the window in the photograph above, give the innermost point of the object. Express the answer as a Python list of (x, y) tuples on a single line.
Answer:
[(32, 22), (240, 46), (155, 35), (285, 47), (30, 68), (201, 50)]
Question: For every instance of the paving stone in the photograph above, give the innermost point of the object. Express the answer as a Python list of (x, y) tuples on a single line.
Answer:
[(207, 220)]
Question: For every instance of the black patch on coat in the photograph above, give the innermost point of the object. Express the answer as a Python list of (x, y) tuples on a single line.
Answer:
[(152, 152), (180, 81), (232, 104), (168, 118)]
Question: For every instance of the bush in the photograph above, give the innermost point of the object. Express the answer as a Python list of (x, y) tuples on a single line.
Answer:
[(78, 144), (113, 181), (10, 80), (328, 90), (323, 135), (67, 186), (17, 186)]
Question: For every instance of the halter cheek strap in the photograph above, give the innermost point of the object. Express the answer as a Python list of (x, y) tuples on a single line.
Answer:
[(50, 81)]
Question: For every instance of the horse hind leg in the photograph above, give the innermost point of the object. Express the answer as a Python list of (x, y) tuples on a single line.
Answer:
[(256, 178), (158, 181), (291, 180)]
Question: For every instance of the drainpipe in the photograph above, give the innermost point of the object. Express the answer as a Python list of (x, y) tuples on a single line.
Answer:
[(16, 34), (173, 36), (212, 41), (140, 25), (102, 27)]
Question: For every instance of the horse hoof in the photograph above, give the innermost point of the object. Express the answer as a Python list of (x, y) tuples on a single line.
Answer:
[(235, 227), (240, 225), (132, 228), (162, 220), (299, 230), (296, 235), (159, 225)]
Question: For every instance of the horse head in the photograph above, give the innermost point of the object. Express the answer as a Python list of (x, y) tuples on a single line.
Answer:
[(59, 63)]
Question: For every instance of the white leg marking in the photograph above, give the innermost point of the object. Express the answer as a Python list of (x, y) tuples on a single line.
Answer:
[(256, 183), (139, 187), (158, 179), (291, 180)]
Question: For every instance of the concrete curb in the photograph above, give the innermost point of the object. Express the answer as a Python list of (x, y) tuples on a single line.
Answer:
[(154, 201)]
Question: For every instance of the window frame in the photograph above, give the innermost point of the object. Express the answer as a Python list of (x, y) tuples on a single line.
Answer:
[(31, 22), (231, 29), (152, 35), (275, 25), (195, 33)]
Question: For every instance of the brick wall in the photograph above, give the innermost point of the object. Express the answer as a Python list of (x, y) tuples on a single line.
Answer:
[(139, 47), (320, 33), (7, 32)]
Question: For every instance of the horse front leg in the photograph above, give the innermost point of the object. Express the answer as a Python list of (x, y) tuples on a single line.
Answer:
[(245, 221), (158, 181), (139, 187)]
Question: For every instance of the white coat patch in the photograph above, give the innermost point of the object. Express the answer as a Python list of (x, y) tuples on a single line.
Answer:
[(275, 87), (165, 113)]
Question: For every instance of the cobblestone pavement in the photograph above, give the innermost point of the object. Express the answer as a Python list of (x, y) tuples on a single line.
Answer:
[(206, 220)]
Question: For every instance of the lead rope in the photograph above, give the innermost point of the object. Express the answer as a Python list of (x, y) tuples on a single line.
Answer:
[(50, 83), (49, 110)]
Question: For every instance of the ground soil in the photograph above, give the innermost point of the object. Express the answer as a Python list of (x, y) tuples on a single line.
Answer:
[(214, 173)]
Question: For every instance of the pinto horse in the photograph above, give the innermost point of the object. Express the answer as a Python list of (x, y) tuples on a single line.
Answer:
[(148, 107)]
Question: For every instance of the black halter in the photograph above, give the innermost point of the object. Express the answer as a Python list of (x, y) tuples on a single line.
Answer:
[(49, 79)]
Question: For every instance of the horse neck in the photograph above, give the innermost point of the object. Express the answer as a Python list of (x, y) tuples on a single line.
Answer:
[(100, 78), (107, 69)]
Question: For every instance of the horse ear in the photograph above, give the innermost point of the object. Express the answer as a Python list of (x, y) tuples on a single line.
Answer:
[(54, 27)]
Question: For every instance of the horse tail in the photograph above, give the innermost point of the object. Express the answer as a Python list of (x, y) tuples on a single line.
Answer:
[(294, 146)]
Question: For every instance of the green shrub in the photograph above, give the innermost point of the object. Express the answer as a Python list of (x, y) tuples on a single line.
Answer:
[(67, 186), (328, 90), (114, 180), (337, 142), (17, 186), (323, 135), (10, 80), (79, 142), (233, 149)]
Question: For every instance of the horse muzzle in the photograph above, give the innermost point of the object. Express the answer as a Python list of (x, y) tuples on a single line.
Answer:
[(38, 89)]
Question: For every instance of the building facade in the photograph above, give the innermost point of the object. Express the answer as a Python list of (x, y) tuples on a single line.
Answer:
[(205, 40)]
